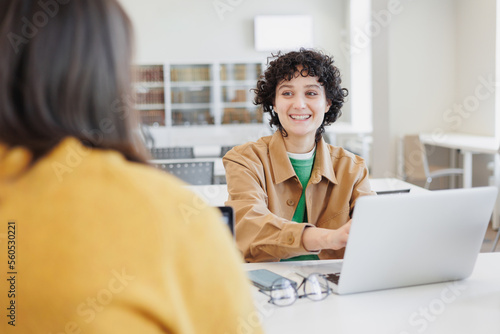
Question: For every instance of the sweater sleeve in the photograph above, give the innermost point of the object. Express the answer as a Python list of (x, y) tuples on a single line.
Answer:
[(200, 285), (213, 293)]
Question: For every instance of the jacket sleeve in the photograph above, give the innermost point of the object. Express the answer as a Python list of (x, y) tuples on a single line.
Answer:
[(261, 235), (361, 187)]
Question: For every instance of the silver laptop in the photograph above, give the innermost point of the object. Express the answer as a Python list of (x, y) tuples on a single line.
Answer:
[(412, 239)]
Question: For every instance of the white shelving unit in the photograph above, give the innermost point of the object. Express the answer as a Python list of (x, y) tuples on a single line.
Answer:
[(198, 94)]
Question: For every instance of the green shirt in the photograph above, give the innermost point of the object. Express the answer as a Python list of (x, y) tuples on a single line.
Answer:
[(303, 170)]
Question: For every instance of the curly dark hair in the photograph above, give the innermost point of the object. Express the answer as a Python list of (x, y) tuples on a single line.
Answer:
[(285, 66)]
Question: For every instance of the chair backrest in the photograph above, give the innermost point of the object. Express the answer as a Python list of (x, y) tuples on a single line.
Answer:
[(147, 136), (224, 150), (415, 164), (172, 153), (195, 173)]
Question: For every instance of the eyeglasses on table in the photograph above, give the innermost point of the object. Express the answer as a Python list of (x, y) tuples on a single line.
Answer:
[(284, 292)]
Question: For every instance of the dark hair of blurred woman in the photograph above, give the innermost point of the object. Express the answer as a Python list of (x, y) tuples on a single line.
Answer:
[(41, 101)]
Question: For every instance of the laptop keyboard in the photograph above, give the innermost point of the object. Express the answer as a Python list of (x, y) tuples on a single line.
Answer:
[(334, 278)]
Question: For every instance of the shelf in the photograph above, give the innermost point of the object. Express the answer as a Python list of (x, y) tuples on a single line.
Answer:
[(205, 94), (251, 83), (186, 106), (248, 105), (191, 84), (149, 84), (150, 106)]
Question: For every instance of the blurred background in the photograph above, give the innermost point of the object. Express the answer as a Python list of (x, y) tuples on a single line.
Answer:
[(412, 67)]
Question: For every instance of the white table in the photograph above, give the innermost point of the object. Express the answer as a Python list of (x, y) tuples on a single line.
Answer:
[(468, 145), (394, 184), (467, 306), (217, 194), (214, 194)]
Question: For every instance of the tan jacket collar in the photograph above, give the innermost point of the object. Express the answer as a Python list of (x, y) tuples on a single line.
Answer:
[(323, 165), (283, 169), (281, 165)]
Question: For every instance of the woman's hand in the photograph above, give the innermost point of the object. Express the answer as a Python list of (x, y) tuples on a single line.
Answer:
[(316, 239)]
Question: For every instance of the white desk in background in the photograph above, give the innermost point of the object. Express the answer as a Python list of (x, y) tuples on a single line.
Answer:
[(205, 151), (216, 194), (388, 184), (467, 306), (468, 145), (218, 166)]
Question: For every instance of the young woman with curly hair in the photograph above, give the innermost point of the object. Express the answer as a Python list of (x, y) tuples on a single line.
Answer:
[(293, 194)]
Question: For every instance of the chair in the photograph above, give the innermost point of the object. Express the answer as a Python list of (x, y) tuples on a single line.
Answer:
[(224, 150), (172, 153), (492, 182), (416, 166), (495, 243), (195, 173), (147, 136)]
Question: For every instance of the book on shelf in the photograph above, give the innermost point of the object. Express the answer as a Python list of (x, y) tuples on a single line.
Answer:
[(151, 96), (148, 73), (231, 94), (150, 117), (190, 73), (191, 96), (240, 72), (192, 117)]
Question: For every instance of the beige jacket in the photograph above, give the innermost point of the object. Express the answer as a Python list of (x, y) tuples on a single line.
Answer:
[(264, 192)]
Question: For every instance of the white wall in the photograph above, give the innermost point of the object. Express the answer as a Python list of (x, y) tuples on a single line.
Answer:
[(193, 30), (475, 73), (475, 28), (417, 53), (422, 65), (434, 52), (383, 149)]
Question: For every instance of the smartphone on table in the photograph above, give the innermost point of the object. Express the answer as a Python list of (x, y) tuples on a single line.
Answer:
[(264, 279)]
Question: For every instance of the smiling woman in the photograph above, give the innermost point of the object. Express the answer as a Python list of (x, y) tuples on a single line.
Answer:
[(301, 106), (294, 177), (306, 64)]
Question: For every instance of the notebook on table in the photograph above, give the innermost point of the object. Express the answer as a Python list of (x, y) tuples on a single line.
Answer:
[(398, 241), (393, 192)]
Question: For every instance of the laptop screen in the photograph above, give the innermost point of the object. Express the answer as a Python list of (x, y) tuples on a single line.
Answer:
[(228, 217)]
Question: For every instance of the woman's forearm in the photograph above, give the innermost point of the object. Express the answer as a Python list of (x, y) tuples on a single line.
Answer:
[(316, 238)]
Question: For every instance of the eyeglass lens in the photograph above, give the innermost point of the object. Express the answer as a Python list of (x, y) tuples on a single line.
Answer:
[(316, 287), (284, 291)]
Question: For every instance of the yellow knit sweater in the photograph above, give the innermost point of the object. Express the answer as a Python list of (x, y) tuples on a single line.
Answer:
[(102, 245)]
